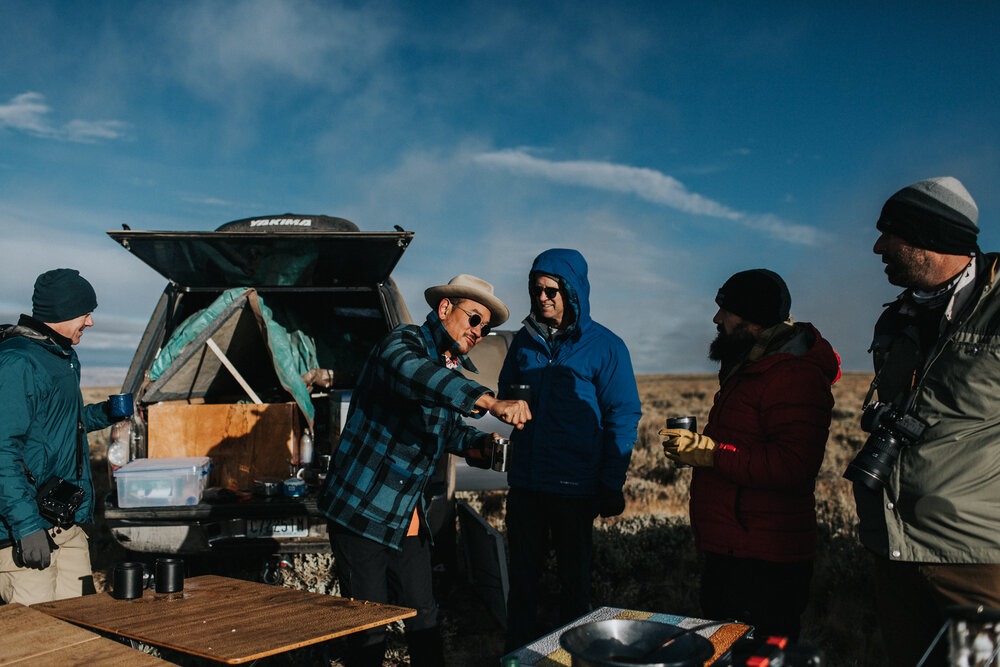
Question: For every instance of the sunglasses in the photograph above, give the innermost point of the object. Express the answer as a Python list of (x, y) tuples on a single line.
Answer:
[(549, 292), (476, 320)]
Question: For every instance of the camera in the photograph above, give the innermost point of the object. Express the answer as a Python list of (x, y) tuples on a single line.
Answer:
[(58, 501), (890, 430)]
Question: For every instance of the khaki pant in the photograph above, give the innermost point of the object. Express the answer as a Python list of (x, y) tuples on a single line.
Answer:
[(64, 578), (912, 598)]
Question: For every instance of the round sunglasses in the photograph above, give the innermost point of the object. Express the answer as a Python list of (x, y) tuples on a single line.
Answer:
[(475, 320)]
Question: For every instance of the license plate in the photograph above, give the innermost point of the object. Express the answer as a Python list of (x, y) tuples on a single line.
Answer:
[(291, 527)]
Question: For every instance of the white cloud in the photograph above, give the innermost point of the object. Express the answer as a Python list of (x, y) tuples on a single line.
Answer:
[(28, 113), (89, 132), (207, 200), (647, 184), (227, 47)]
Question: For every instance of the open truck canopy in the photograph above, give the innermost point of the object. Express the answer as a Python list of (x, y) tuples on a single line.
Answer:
[(258, 339), (286, 258)]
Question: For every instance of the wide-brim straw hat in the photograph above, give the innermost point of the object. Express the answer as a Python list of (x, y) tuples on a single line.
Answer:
[(476, 289)]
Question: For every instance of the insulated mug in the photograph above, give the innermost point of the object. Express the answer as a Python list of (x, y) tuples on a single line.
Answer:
[(519, 392), (120, 406), (500, 447), (127, 581), (690, 423), (169, 575)]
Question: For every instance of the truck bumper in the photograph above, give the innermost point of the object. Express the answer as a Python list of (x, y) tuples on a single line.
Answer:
[(283, 525)]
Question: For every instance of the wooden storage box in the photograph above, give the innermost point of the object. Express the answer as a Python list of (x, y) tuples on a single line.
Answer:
[(245, 441)]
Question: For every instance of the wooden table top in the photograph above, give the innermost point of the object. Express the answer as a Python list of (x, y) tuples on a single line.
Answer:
[(227, 620), (33, 638)]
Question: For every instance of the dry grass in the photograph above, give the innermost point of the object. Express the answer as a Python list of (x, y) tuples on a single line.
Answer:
[(646, 559)]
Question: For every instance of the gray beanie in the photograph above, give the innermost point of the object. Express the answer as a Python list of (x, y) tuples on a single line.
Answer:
[(61, 295), (937, 214)]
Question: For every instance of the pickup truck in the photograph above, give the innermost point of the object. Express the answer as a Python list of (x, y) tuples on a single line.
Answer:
[(251, 352)]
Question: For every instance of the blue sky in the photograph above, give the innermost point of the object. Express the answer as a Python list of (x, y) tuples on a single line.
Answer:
[(671, 143)]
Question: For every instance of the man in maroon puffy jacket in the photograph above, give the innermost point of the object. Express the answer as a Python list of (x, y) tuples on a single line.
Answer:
[(752, 490)]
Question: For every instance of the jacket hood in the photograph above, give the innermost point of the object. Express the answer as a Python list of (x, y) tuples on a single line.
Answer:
[(28, 327), (805, 343), (569, 268)]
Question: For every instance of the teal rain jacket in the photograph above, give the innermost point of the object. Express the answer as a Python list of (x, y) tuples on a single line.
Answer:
[(42, 407)]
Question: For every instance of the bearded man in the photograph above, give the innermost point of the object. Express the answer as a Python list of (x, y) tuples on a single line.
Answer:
[(752, 489), (928, 515)]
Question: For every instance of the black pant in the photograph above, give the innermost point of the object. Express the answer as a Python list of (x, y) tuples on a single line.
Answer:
[(371, 571), (769, 596), (536, 522)]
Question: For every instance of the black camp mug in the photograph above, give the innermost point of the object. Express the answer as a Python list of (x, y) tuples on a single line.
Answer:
[(169, 575), (519, 392), (127, 581)]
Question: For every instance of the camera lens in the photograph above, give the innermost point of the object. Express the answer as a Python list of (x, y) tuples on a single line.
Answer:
[(873, 464)]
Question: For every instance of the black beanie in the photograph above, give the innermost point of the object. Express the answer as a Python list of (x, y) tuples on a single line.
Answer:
[(937, 214), (758, 295), (61, 295)]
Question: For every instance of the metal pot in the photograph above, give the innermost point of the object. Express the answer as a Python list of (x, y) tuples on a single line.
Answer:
[(622, 643)]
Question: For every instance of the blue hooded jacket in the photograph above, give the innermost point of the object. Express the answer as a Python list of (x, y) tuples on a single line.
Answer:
[(584, 402)]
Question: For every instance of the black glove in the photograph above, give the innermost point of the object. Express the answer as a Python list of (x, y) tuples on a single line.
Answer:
[(34, 550), (610, 502)]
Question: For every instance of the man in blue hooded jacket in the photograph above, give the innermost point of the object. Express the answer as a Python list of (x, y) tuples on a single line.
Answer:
[(568, 464), (43, 428)]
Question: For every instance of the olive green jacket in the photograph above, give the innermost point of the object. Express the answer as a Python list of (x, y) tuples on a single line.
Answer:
[(942, 501)]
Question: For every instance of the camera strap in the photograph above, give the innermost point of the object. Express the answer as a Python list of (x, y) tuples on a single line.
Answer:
[(900, 357), (81, 438), (905, 407)]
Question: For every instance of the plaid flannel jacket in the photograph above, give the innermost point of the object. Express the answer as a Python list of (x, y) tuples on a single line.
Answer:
[(405, 413)]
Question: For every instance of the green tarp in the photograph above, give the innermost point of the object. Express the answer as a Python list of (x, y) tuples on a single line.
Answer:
[(239, 322)]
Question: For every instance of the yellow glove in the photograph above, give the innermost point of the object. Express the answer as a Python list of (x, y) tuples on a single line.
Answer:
[(688, 447)]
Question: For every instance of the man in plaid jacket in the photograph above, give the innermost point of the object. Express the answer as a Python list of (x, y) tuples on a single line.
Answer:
[(406, 411)]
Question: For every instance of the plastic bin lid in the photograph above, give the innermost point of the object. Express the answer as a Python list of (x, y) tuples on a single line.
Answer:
[(196, 463)]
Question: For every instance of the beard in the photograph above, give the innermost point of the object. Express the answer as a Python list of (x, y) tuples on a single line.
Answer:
[(730, 348)]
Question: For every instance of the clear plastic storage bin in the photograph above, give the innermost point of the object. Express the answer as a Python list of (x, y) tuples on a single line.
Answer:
[(159, 482)]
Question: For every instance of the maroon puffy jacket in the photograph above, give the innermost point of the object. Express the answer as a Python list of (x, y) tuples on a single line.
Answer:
[(771, 419)]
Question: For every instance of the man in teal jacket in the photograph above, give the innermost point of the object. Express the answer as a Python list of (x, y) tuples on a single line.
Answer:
[(928, 506), (569, 463), (43, 426)]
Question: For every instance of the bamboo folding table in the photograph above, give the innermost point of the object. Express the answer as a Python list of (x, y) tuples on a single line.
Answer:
[(226, 620), (33, 638)]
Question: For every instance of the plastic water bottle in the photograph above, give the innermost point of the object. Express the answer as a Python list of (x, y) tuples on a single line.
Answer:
[(306, 449)]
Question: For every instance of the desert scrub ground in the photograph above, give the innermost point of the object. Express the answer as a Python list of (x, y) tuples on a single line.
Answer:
[(644, 559)]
